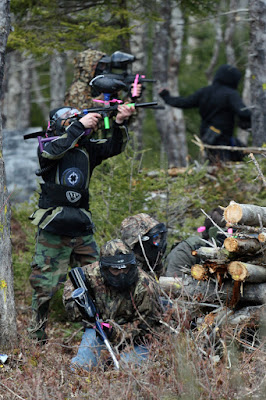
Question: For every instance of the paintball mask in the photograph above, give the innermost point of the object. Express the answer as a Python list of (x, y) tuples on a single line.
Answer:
[(156, 237), (121, 60), (120, 270), (60, 119), (154, 244)]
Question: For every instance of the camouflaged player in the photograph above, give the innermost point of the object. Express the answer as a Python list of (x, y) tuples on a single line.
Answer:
[(125, 297), (87, 65), (80, 93), (147, 238)]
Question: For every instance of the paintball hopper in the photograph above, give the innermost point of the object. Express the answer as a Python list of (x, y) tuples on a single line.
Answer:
[(105, 84), (120, 59)]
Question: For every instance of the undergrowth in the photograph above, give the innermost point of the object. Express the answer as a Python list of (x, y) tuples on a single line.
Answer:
[(177, 369)]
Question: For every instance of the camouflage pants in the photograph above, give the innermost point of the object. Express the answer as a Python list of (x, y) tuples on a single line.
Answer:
[(54, 254)]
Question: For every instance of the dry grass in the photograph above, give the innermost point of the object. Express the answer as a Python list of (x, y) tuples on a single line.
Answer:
[(181, 366)]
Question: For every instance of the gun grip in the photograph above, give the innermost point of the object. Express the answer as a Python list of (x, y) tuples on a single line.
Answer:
[(106, 122)]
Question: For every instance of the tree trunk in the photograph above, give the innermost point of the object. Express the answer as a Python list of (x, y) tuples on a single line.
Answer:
[(242, 246), (17, 98), (242, 134), (168, 46), (57, 79), (245, 214), (257, 11), (229, 34), (8, 328), (216, 49), (138, 47), (241, 271)]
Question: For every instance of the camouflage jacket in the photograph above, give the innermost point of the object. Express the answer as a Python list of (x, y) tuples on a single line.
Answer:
[(133, 314)]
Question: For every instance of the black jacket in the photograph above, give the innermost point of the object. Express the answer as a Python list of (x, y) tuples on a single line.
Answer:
[(219, 103), (67, 164)]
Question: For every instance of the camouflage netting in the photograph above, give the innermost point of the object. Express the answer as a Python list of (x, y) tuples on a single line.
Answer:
[(134, 226), (79, 94)]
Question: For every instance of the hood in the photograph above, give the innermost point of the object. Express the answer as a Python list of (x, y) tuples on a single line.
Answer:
[(133, 226), (227, 75), (85, 64)]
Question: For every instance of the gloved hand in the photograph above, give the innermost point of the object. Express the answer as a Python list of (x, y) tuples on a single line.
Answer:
[(163, 93), (107, 328)]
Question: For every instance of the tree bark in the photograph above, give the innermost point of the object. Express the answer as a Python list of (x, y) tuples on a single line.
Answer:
[(257, 11), (242, 246), (17, 98), (241, 271), (138, 47), (57, 79), (229, 34), (243, 135), (8, 328), (168, 46), (211, 253), (247, 214), (216, 49)]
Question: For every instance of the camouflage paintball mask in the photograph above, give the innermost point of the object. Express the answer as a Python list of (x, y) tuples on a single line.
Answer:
[(118, 264)]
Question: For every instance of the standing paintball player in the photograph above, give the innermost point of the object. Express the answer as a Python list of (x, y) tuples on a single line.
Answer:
[(65, 229), (219, 106)]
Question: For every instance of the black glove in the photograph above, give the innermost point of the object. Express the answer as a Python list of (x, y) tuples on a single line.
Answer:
[(164, 93), (107, 328)]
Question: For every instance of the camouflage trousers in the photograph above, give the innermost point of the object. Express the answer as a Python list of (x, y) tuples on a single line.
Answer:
[(54, 255)]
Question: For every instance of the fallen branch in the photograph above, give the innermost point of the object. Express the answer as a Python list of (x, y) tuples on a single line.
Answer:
[(258, 169), (256, 150)]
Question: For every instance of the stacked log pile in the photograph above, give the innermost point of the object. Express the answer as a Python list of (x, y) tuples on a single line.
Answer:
[(243, 255), (231, 278)]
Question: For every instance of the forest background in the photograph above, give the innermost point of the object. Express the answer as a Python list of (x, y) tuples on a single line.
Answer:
[(179, 43)]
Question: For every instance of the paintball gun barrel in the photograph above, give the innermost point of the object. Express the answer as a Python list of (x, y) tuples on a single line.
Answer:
[(87, 306)]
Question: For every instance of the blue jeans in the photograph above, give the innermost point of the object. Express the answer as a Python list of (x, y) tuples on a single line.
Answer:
[(90, 349)]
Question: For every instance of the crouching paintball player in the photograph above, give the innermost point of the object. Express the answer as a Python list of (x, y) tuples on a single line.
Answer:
[(123, 307)]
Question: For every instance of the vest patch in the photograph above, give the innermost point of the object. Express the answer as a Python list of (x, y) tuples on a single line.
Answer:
[(73, 197)]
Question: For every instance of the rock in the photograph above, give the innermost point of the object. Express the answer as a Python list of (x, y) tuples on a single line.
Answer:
[(21, 162)]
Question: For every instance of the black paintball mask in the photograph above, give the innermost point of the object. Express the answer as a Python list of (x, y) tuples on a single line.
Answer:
[(154, 244), (119, 271), (121, 61), (59, 120)]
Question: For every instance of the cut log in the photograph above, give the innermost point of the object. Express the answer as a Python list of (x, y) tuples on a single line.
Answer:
[(262, 237), (242, 246), (245, 214), (199, 272), (206, 291), (241, 271), (210, 253)]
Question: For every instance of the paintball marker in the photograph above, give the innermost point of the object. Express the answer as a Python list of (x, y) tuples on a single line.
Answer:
[(105, 85), (87, 306), (121, 61)]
